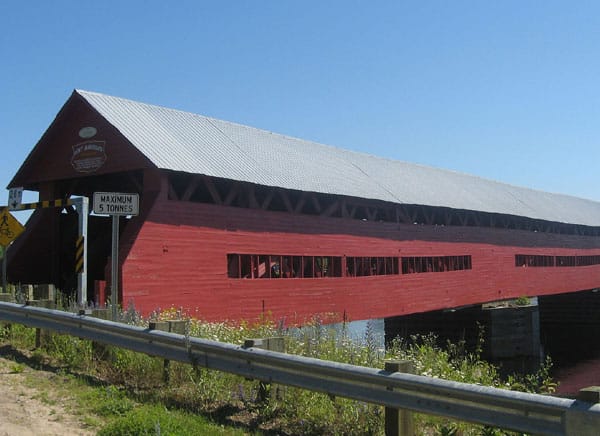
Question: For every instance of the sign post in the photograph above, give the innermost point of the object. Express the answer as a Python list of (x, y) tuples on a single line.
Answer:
[(116, 204)]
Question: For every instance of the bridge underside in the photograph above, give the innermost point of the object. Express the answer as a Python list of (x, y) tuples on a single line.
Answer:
[(516, 336)]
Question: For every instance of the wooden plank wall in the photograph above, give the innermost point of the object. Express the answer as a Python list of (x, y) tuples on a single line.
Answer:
[(179, 260)]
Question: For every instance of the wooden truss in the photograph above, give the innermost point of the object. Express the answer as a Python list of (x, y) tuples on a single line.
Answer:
[(200, 188)]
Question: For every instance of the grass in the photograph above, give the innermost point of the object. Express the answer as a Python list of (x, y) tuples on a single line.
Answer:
[(122, 392), (17, 368), (157, 420), (107, 409)]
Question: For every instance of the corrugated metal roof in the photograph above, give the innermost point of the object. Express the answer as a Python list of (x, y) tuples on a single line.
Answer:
[(182, 141)]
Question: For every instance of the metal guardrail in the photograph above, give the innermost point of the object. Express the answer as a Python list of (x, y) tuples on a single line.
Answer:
[(517, 411)]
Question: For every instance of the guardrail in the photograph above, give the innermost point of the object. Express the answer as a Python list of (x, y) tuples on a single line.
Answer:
[(517, 411)]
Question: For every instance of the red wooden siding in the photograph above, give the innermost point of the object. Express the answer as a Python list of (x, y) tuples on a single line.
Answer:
[(179, 258)]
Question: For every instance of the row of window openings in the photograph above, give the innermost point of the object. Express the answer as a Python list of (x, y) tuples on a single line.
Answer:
[(545, 261), (277, 266)]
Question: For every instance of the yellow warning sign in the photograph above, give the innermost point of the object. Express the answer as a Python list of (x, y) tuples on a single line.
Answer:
[(10, 228)]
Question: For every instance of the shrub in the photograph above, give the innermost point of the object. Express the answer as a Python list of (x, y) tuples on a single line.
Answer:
[(112, 402), (522, 301)]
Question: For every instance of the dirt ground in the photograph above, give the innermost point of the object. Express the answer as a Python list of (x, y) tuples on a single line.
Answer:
[(29, 407)]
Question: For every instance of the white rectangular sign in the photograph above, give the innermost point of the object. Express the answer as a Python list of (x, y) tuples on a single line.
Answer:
[(15, 197), (116, 203)]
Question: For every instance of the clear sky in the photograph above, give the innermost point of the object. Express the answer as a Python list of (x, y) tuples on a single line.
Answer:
[(507, 90)]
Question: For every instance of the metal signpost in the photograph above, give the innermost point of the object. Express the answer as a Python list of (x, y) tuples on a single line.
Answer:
[(116, 204)]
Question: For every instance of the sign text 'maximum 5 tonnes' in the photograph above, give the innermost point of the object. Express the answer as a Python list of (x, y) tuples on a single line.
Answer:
[(116, 203)]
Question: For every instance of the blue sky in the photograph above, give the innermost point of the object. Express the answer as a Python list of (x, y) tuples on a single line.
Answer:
[(508, 90)]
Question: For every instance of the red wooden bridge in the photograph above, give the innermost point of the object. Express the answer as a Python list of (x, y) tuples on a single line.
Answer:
[(236, 223)]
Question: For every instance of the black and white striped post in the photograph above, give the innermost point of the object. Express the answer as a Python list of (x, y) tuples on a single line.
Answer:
[(82, 204)]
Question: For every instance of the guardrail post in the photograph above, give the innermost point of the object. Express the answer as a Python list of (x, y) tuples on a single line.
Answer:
[(272, 344), (25, 293), (399, 422), (579, 423), (41, 335), (164, 327), (590, 394), (43, 291), (98, 349), (101, 313), (178, 326)]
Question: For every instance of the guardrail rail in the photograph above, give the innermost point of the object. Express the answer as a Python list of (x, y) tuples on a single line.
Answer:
[(517, 411)]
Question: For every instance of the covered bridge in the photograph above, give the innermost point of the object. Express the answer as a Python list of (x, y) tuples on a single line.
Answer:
[(236, 222)]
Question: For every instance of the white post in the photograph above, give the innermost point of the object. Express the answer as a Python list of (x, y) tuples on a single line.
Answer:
[(82, 206)]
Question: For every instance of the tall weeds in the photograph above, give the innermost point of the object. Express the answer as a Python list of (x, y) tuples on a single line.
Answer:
[(228, 398)]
